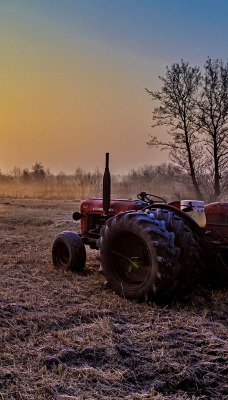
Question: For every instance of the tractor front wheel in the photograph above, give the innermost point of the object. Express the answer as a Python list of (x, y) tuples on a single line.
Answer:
[(68, 252)]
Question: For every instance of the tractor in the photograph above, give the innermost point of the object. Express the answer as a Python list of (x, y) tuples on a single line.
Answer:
[(148, 249)]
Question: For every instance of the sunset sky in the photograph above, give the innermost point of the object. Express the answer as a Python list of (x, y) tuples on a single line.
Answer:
[(73, 75)]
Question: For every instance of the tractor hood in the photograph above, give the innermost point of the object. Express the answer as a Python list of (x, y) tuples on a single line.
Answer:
[(95, 205)]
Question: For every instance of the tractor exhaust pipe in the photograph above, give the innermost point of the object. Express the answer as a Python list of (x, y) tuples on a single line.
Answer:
[(106, 186)]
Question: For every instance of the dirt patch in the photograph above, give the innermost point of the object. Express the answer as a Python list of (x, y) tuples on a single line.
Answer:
[(66, 336)]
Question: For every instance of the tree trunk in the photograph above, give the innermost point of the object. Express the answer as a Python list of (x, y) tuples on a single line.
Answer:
[(216, 170), (191, 165)]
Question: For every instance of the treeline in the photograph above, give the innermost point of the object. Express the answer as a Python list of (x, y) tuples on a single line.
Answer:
[(163, 180), (37, 171), (166, 180), (41, 174)]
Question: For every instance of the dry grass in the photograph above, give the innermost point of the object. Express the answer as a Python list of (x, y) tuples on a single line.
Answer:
[(66, 336), (48, 189), (68, 188)]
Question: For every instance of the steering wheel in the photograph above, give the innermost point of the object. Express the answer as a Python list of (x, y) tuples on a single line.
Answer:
[(147, 198)]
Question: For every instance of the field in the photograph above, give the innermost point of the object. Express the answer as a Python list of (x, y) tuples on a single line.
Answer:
[(66, 336)]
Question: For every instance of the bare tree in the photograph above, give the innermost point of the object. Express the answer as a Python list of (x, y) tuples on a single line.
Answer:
[(177, 110), (213, 121)]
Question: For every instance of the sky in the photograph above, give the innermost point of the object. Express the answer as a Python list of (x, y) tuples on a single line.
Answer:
[(73, 75)]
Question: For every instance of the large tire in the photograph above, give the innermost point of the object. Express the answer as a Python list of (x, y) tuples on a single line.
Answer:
[(68, 252), (191, 262), (138, 256)]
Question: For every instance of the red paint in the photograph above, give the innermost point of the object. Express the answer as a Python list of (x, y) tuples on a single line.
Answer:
[(95, 206), (217, 218)]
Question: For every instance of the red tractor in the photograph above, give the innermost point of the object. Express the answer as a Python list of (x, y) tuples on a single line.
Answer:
[(148, 249)]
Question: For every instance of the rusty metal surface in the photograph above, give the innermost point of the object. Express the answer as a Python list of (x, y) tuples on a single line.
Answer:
[(217, 219)]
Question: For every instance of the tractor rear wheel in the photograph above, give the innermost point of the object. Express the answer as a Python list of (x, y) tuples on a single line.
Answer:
[(191, 262), (68, 252), (138, 256)]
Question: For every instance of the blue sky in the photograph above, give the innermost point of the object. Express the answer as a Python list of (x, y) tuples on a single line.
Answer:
[(73, 75), (172, 28)]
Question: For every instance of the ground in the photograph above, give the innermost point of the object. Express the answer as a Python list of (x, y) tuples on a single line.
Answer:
[(66, 336)]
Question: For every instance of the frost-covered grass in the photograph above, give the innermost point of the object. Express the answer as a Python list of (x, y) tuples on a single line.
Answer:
[(66, 336)]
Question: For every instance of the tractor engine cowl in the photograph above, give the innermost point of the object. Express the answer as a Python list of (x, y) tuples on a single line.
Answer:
[(92, 210)]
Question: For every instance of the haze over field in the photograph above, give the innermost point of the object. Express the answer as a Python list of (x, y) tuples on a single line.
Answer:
[(73, 75)]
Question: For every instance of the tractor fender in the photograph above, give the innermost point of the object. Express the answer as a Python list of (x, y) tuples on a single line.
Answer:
[(186, 218)]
